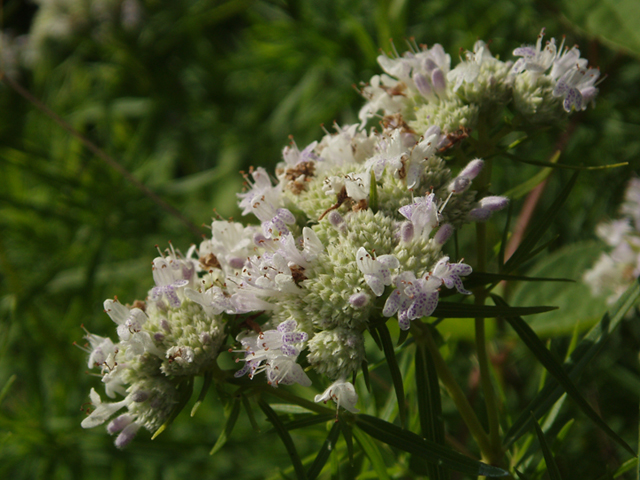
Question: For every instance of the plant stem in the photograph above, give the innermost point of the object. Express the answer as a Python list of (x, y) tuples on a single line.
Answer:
[(480, 294), (423, 335)]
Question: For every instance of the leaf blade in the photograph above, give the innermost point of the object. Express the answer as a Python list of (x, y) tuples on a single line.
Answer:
[(228, 427), (552, 467), (394, 369), (283, 433), (323, 455), (577, 362), (537, 347), (432, 452)]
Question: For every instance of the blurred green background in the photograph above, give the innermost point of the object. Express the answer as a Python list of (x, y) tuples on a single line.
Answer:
[(185, 94)]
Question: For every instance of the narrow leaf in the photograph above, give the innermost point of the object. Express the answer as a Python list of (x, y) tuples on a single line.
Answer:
[(538, 229), (208, 377), (431, 452), (249, 410), (552, 468), (326, 449), (541, 163), (394, 370), (483, 278), (505, 238), (285, 437), (365, 375), (373, 454), (308, 421), (404, 334), (467, 310), (347, 433), (624, 468), (228, 427), (521, 475), (588, 347), (289, 408), (7, 387), (537, 347), (376, 337), (429, 406)]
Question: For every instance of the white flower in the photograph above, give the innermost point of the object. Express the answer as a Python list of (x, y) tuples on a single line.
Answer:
[(423, 214), (168, 281), (102, 411), (342, 393), (293, 156), (129, 321), (213, 300), (413, 298), (102, 352), (450, 274), (376, 271), (278, 349), (468, 71), (535, 60)]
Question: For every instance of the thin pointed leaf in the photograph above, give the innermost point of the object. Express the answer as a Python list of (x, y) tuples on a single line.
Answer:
[(538, 229), (249, 410), (365, 375), (624, 468), (228, 427), (431, 452), (552, 468), (376, 337), (537, 347), (505, 237), (289, 409), (326, 449), (394, 370), (484, 278), (429, 406), (541, 163), (208, 377), (308, 421), (588, 347), (521, 475), (404, 334), (7, 387), (285, 437), (528, 185), (348, 438), (467, 310), (373, 454)]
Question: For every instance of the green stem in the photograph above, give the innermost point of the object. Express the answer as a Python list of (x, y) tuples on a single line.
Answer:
[(423, 335), (283, 394), (495, 454)]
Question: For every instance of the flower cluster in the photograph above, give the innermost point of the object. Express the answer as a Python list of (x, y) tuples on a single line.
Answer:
[(544, 84), (351, 232), (616, 270)]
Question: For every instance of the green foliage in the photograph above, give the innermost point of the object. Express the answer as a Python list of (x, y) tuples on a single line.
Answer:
[(205, 89)]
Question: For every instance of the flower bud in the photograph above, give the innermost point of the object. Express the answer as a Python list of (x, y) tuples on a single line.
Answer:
[(336, 220), (494, 203), (406, 232), (472, 169), (359, 300), (439, 83), (422, 85), (127, 435), (119, 423), (443, 234)]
